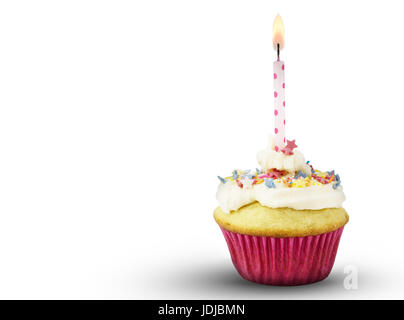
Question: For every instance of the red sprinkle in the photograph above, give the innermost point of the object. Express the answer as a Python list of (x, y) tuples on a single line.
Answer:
[(320, 179), (275, 173)]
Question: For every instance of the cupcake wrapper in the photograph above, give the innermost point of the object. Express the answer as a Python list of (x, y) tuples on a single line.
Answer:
[(283, 261)]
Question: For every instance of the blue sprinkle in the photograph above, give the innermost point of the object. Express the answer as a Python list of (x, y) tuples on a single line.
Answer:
[(235, 174), (307, 161), (337, 178), (222, 180), (250, 176), (330, 173), (269, 183), (258, 170), (336, 185), (300, 174)]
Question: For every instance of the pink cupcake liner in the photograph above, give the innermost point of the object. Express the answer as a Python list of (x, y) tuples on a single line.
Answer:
[(283, 261)]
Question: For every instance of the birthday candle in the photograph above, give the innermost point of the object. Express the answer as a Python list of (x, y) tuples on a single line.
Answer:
[(279, 85)]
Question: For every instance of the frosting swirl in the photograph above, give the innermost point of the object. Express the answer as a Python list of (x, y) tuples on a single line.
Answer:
[(269, 158)]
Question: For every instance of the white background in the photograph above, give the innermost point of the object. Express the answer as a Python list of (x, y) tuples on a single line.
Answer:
[(117, 116)]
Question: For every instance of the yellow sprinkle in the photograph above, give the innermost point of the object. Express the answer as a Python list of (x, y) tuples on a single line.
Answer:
[(300, 183), (315, 183)]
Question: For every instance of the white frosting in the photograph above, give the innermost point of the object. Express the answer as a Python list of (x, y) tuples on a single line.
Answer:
[(231, 197), (269, 158)]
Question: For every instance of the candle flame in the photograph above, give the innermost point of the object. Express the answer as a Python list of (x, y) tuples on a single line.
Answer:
[(278, 32)]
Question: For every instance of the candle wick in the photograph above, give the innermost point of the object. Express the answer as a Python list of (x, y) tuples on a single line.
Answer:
[(277, 50)]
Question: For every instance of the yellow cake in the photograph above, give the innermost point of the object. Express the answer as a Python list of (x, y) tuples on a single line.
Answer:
[(257, 220)]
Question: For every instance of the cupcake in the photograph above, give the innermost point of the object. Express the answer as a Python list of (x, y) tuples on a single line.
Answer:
[(283, 221)]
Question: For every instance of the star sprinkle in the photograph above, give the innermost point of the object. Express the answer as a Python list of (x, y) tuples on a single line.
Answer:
[(269, 183), (337, 183), (290, 145), (300, 174), (222, 180)]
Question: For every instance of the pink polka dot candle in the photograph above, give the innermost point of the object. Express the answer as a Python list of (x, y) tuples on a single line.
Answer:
[(279, 85)]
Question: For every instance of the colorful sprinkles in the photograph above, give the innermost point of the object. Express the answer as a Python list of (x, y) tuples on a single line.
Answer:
[(248, 178)]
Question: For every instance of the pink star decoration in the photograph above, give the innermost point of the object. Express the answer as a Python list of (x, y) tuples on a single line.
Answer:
[(290, 145)]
